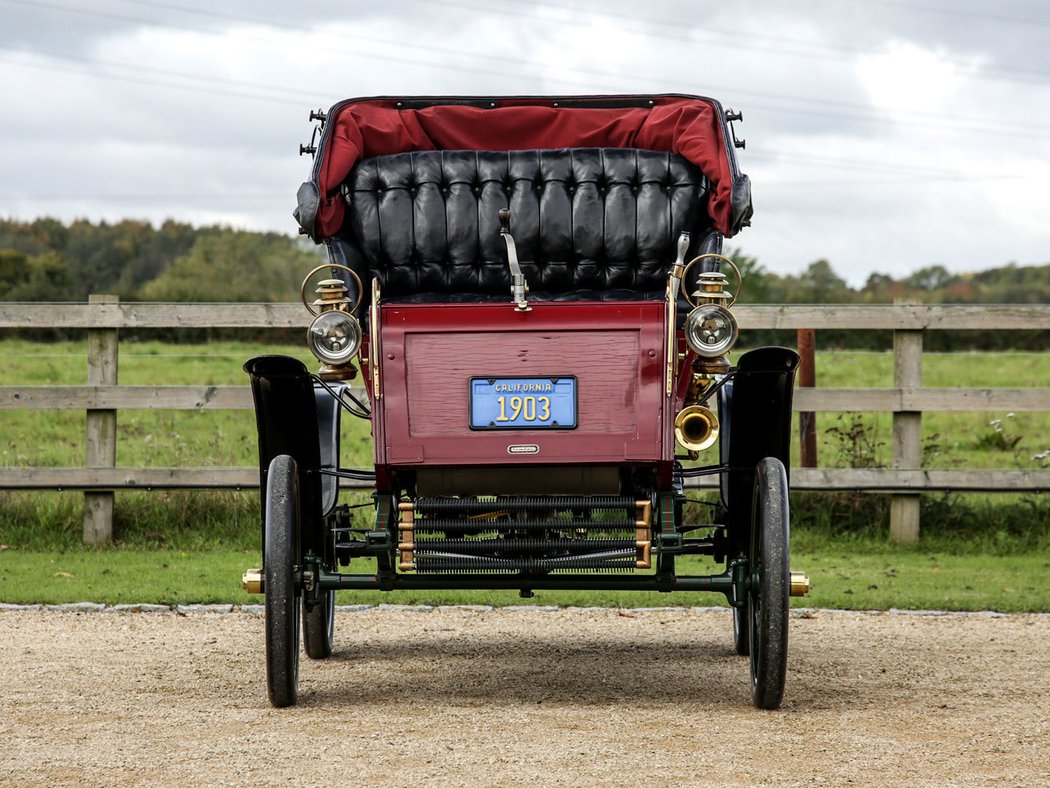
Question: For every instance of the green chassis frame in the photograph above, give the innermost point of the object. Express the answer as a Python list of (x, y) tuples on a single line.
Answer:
[(316, 580), (283, 389), (733, 582)]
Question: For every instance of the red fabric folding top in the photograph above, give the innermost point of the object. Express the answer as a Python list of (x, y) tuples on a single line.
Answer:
[(689, 127)]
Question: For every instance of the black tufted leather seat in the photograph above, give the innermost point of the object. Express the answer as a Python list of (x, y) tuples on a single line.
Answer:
[(588, 222)]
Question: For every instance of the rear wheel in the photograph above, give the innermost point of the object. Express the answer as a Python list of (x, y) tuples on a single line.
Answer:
[(282, 598), (769, 586)]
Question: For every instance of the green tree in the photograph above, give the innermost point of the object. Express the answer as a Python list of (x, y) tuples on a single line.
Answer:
[(818, 284), (235, 266), (757, 284), (934, 277), (42, 277)]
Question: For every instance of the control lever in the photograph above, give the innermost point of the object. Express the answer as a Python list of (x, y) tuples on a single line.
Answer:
[(674, 284), (518, 286), (679, 267)]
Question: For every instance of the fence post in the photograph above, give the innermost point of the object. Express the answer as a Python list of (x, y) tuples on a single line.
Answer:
[(101, 427), (807, 378), (907, 433)]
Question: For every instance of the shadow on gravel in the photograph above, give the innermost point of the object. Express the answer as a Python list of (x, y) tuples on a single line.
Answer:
[(531, 672)]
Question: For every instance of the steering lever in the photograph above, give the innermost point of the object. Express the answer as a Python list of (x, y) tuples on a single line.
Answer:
[(518, 286)]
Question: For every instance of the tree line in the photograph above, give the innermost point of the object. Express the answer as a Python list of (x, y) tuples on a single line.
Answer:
[(49, 260)]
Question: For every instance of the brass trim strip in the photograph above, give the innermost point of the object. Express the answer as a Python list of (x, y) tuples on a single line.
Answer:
[(671, 355), (643, 533), (373, 343), (646, 560), (405, 546), (647, 510)]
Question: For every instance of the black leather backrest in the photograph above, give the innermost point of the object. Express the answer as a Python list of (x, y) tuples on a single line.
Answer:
[(582, 219)]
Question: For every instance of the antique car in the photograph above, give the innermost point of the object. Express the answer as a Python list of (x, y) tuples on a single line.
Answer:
[(532, 294)]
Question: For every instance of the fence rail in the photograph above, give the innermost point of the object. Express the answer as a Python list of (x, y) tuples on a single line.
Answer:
[(915, 317), (104, 317), (818, 479), (239, 398)]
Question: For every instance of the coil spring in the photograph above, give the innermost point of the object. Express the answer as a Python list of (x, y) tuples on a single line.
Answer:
[(482, 526), (523, 503), (466, 564), (530, 545)]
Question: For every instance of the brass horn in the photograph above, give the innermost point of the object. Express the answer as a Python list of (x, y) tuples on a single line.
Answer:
[(696, 428)]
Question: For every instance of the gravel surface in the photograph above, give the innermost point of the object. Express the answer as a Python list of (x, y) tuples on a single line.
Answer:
[(571, 697)]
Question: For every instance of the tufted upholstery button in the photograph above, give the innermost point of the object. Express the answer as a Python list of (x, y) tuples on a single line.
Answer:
[(584, 220)]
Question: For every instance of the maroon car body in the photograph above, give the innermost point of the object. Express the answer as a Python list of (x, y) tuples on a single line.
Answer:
[(533, 291)]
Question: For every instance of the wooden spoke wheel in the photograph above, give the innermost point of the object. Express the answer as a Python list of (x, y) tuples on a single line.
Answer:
[(769, 586), (282, 602)]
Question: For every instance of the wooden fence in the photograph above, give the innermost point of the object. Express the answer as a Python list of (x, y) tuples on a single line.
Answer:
[(101, 398)]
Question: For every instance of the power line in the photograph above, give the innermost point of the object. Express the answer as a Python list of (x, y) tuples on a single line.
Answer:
[(896, 182), (803, 159), (863, 165), (605, 12), (151, 82), (978, 123), (925, 9), (724, 37), (136, 67), (759, 154), (77, 196), (37, 4), (865, 114)]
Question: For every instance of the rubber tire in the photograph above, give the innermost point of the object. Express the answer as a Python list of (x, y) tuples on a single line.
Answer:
[(319, 627), (281, 596), (741, 631), (769, 589)]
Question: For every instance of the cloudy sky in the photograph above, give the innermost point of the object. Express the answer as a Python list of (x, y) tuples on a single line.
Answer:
[(883, 135)]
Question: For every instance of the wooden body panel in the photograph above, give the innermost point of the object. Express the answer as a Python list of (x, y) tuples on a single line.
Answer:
[(615, 350)]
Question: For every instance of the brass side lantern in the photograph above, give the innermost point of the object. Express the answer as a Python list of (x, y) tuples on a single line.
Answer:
[(711, 331), (334, 336)]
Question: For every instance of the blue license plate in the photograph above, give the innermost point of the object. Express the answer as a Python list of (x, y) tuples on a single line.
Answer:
[(523, 403)]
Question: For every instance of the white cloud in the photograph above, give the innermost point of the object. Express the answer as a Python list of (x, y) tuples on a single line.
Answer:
[(907, 77), (875, 138)]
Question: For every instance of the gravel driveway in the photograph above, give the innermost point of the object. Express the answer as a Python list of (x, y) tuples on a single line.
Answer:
[(580, 697)]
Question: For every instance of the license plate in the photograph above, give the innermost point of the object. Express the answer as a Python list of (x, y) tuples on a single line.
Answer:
[(523, 403)]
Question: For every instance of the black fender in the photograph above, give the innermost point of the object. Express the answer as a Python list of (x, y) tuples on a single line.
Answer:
[(296, 418), (756, 408)]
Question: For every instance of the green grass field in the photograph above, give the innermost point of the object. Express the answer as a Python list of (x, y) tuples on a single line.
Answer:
[(846, 579), (978, 551)]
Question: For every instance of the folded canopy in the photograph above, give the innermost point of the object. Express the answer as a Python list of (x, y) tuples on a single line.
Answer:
[(690, 126)]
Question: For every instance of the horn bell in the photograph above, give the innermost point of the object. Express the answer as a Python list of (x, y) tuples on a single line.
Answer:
[(696, 428)]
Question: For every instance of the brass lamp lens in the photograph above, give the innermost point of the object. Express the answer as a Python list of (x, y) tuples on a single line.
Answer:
[(334, 337), (711, 330)]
